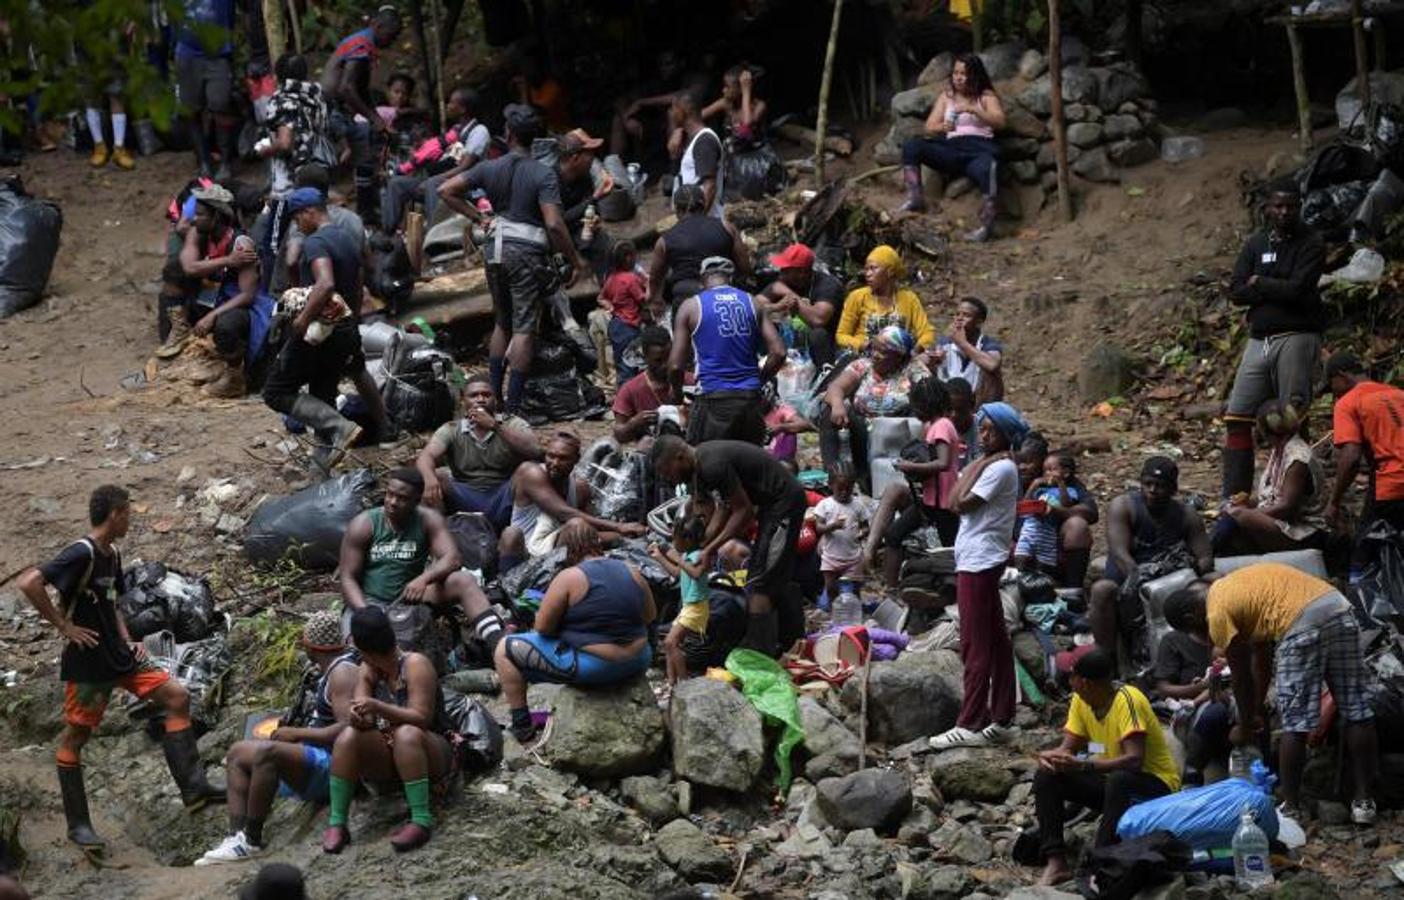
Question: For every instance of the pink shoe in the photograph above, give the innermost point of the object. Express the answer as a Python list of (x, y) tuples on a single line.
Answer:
[(411, 836), (335, 839)]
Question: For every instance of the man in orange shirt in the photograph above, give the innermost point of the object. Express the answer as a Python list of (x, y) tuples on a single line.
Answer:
[(1368, 424)]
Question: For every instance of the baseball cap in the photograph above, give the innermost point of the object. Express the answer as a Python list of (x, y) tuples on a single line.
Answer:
[(795, 256), (579, 139), (214, 195), (717, 265), (1161, 468), (306, 198)]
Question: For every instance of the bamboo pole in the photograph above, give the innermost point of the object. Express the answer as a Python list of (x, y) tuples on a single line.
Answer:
[(1362, 56), (273, 28), (822, 126), (1294, 43), (1060, 136)]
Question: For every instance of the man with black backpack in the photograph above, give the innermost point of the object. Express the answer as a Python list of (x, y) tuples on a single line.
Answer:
[(295, 760), (99, 654)]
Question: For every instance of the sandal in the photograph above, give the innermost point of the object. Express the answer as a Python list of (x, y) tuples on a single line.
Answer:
[(958, 737)]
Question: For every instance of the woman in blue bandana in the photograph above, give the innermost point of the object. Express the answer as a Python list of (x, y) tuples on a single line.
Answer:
[(876, 385)]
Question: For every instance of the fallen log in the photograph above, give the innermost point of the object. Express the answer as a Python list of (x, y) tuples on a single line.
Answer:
[(806, 137)]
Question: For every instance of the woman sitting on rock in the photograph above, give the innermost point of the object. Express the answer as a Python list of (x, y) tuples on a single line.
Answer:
[(397, 733), (591, 628), (1288, 512), (959, 140), (871, 386), (870, 309)]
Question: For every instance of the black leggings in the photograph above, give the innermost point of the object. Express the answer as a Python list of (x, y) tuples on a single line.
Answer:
[(1113, 794), (919, 515)]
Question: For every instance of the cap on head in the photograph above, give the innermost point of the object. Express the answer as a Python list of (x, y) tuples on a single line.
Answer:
[(717, 265), (306, 198), (579, 139), (795, 256), (323, 632), (1162, 469)]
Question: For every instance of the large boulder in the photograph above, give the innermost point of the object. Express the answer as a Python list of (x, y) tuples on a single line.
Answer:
[(1012, 147), (1037, 98), (1080, 85), (688, 850), (1120, 126), (873, 798), (888, 151), (938, 70), (1119, 84), (1084, 134), (1002, 60), (833, 747), (915, 695), (1095, 165), (966, 774), (962, 843), (604, 732), (1021, 122), (916, 102), (652, 797), (717, 736), (1137, 152), (1032, 64), (1106, 371), (1025, 171)]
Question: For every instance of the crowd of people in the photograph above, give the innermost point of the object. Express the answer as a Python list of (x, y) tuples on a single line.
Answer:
[(710, 341)]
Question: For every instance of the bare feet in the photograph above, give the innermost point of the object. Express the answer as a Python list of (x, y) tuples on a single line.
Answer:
[(1056, 872)]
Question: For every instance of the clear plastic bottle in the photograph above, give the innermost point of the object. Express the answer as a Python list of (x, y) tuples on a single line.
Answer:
[(587, 231), (847, 607), (845, 446), (1240, 763), (1252, 869)]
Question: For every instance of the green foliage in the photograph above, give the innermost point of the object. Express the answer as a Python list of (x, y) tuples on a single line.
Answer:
[(327, 22), (1027, 20), (278, 661), (68, 53)]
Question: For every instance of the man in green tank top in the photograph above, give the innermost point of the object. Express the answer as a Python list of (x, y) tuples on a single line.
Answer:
[(403, 552)]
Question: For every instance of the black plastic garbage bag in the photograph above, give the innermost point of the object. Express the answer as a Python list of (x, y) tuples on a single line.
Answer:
[(159, 598), (29, 240), (1380, 591), (199, 666), (754, 173), (309, 524), (1337, 163), (1387, 135), (726, 626), (417, 394), (552, 356), (1330, 209), (1121, 871), (560, 398), (476, 540), (620, 480), (535, 573), (477, 737), (389, 273)]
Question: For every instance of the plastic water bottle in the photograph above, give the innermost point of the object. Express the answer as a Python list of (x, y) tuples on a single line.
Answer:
[(1252, 869), (845, 448), (1240, 764), (847, 607)]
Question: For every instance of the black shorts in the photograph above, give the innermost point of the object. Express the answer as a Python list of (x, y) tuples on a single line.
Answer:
[(726, 416), (205, 84), (772, 565), (519, 285)]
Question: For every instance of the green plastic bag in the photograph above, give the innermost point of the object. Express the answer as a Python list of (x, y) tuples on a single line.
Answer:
[(768, 688)]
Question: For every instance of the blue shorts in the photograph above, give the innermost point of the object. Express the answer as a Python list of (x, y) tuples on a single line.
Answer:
[(496, 503), (541, 658), (317, 761)]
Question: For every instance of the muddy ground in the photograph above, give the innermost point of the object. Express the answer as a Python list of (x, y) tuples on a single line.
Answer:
[(1123, 272)]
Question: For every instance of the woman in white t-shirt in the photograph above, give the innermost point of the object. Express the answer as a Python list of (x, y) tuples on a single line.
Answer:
[(986, 496)]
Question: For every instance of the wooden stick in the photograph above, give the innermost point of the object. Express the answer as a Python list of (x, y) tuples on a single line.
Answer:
[(1060, 137), (296, 26), (1294, 43), (822, 126), (873, 173)]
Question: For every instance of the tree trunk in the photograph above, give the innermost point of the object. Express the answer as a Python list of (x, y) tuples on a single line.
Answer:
[(453, 11), (1133, 32), (426, 54), (1055, 88), (273, 27), (822, 125), (1362, 56)]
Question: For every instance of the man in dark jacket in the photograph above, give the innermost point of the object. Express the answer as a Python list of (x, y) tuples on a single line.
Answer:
[(1275, 278)]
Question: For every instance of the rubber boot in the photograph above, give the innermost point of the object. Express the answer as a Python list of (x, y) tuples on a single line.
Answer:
[(339, 433), (183, 758), (178, 337), (228, 138), (75, 807), (916, 200), (987, 219), (230, 383)]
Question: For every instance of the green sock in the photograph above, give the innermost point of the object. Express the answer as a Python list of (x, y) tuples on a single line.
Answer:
[(417, 793), (342, 790)]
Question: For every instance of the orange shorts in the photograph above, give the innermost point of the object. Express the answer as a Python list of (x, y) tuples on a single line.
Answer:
[(84, 702)]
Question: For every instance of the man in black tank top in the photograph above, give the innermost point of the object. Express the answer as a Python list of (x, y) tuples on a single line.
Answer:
[(1141, 526), (674, 271), (295, 760)]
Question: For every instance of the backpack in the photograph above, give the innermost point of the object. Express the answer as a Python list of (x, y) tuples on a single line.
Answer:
[(1121, 871)]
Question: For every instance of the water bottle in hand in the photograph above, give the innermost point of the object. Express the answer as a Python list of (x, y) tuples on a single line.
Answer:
[(1252, 869)]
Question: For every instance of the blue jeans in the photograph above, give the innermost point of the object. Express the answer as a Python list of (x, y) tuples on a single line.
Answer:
[(620, 337), (972, 156), (496, 503)]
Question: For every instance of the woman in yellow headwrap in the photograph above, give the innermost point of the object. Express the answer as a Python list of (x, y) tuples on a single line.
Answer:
[(870, 309)]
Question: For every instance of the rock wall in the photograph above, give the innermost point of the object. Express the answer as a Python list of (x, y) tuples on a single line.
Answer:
[(1111, 118)]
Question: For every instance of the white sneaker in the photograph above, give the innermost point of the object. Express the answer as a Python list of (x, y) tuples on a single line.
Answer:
[(233, 849), (958, 737), (1362, 812), (998, 734)]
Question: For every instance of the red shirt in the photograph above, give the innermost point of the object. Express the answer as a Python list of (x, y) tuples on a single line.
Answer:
[(624, 292), (638, 396), (1372, 414)]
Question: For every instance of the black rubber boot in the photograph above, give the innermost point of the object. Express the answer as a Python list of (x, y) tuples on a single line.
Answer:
[(75, 807), (987, 221), (183, 757), (916, 200), (761, 633)]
